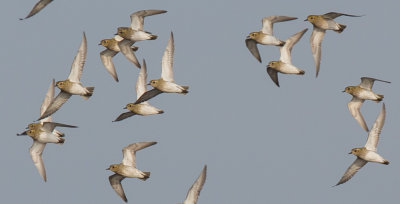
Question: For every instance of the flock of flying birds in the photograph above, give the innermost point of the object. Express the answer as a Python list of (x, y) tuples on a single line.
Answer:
[(44, 131), (360, 93)]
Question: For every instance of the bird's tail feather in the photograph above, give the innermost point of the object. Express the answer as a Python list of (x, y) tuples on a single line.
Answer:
[(185, 89), (341, 28), (89, 93), (146, 175), (380, 97)]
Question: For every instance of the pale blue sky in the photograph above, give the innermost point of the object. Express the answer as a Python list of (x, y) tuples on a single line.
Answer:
[(262, 144)]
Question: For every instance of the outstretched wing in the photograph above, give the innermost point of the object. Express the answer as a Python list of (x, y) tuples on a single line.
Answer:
[(353, 168), (49, 126), (36, 151), (273, 74), (268, 22), (373, 136), (286, 49), (148, 95), (126, 49), (194, 191), (79, 61), (129, 152), (354, 107), (106, 57), (368, 82), (333, 15), (60, 99), (137, 18), (252, 46), (168, 60), (124, 116), (141, 81), (47, 100), (315, 40), (38, 7), (115, 182)]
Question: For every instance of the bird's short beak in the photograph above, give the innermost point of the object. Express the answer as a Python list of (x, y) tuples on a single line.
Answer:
[(108, 168), (99, 43), (124, 107), (349, 152), (343, 91), (306, 20), (148, 83), (116, 34), (248, 37), (26, 128)]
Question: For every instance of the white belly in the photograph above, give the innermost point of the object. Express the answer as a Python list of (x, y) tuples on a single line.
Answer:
[(140, 35), (146, 109), (373, 157), (170, 87), (366, 94), (77, 89), (270, 40), (46, 137), (129, 171), (289, 69)]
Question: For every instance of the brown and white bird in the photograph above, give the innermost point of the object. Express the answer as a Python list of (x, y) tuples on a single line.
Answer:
[(166, 84), (135, 32), (113, 47), (284, 64), (143, 108), (72, 85), (127, 168), (322, 23), (265, 36), (360, 93), (44, 132), (368, 153)]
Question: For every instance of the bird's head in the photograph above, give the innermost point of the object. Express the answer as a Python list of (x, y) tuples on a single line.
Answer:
[(253, 35), (349, 89), (33, 126), (312, 18), (124, 32), (356, 151), (105, 42), (61, 84), (153, 83), (274, 64), (113, 167)]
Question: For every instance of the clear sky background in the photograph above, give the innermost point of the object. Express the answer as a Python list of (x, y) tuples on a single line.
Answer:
[(262, 144)]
